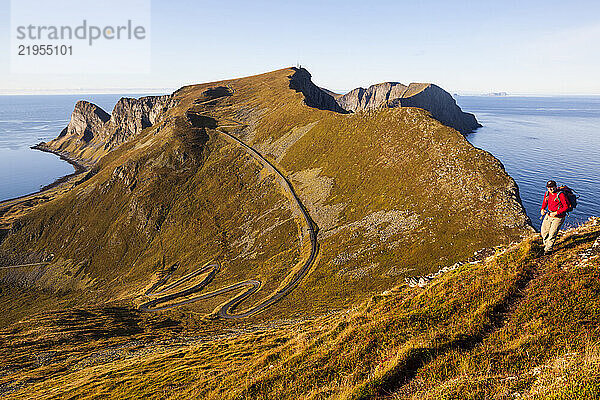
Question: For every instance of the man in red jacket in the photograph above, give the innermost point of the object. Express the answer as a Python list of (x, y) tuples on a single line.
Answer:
[(555, 216)]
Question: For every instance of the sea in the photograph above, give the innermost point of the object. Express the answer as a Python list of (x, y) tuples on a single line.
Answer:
[(27, 120), (543, 138), (535, 138)]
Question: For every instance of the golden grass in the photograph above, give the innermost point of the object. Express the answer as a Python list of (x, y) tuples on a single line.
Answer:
[(517, 325), (188, 196), (409, 194)]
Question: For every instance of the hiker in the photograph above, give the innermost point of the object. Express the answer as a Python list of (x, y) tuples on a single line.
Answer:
[(558, 205)]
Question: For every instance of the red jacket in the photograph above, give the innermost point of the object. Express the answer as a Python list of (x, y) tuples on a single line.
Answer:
[(556, 202)]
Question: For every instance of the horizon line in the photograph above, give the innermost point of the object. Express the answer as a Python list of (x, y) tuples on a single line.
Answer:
[(169, 90), (59, 92)]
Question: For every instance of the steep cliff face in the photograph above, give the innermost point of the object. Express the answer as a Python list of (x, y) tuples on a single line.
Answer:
[(92, 132), (314, 96), (86, 121), (373, 97), (441, 104), (427, 96), (130, 116)]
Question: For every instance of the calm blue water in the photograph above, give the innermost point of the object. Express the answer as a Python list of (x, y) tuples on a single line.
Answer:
[(26, 121), (542, 138)]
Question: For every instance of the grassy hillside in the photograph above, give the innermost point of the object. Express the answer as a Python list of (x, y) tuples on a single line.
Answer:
[(393, 192), (516, 325)]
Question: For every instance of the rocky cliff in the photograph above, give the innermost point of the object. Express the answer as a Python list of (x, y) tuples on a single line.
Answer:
[(440, 103), (87, 119), (314, 96), (427, 96), (92, 132), (130, 116), (373, 97)]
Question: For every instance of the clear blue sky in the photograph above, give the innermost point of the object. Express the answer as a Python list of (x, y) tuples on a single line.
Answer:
[(535, 47)]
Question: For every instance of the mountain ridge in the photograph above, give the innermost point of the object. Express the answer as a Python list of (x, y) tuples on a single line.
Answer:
[(91, 131), (380, 205), (428, 96), (208, 205)]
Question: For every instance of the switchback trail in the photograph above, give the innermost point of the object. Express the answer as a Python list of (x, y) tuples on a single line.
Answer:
[(25, 265), (251, 285)]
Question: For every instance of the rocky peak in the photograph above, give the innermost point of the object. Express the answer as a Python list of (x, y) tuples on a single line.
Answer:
[(314, 96), (87, 120), (430, 97), (92, 131), (130, 116), (440, 104), (373, 97)]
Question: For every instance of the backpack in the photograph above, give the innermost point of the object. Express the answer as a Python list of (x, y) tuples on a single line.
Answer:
[(569, 195)]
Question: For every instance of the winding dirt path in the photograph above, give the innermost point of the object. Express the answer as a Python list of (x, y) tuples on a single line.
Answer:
[(251, 285)]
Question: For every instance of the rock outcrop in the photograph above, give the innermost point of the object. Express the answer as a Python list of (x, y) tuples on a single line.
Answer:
[(130, 116), (430, 97), (87, 120), (314, 96), (92, 132), (373, 97)]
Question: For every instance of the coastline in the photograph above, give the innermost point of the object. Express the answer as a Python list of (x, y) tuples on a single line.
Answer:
[(78, 165)]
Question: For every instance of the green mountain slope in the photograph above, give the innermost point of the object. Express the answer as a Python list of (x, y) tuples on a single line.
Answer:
[(514, 325), (263, 187), (393, 193)]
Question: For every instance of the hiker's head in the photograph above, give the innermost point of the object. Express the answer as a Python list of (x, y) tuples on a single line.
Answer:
[(551, 186)]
